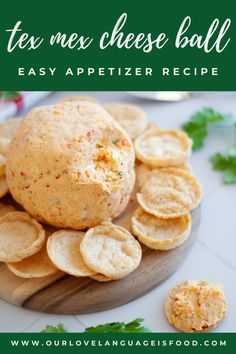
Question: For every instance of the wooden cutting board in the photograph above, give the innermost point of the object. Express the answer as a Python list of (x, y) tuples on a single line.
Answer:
[(64, 294)]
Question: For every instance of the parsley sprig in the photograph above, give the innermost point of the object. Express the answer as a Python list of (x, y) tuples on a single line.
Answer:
[(9, 95), (197, 126), (227, 164), (60, 328), (120, 327), (115, 327)]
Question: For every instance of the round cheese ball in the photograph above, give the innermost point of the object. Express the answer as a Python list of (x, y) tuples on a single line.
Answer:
[(71, 165)]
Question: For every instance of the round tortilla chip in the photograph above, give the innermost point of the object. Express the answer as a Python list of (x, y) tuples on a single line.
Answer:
[(8, 127), (160, 234), (20, 236), (2, 165), (37, 266), (151, 126), (100, 277), (169, 193), (143, 170), (4, 144), (5, 209), (4, 189), (63, 249), (163, 148), (7, 131), (131, 117), (110, 250), (195, 306), (79, 98)]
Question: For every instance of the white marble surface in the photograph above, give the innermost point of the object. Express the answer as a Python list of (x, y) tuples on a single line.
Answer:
[(213, 255)]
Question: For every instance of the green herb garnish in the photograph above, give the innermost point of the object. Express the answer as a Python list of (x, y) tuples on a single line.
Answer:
[(115, 327), (227, 164), (10, 95), (197, 126), (60, 328), (121, 174), (120, 327), (115, 141)]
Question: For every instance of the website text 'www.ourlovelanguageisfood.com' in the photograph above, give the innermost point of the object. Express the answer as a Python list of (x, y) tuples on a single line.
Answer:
[(118, 343)]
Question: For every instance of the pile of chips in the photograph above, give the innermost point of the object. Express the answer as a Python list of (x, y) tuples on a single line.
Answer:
[(166, 190)]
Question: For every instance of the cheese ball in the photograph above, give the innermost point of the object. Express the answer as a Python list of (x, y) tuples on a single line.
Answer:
[(71, 165)]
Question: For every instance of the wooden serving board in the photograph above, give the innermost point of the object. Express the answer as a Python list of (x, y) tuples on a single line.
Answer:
[(64, 294)]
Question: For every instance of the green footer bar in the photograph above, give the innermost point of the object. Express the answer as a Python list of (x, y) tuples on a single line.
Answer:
[(118, 343)]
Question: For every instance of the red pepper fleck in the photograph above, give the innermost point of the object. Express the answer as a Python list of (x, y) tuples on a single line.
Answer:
[(23, 174), (124, 143), (48, 185), (26, 187), (58, 176), (88, 135)]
